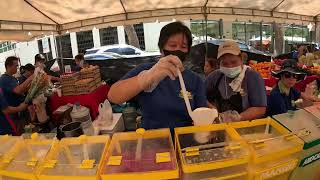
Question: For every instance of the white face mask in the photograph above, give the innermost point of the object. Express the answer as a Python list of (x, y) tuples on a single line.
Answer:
[(231, 72)]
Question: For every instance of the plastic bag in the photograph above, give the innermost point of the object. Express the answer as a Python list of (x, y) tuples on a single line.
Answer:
[(229, 116), (105, 117), (39, 104), (55, 67)]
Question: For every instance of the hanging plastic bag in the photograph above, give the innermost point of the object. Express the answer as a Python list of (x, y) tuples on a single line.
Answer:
[(39, 104), (105, 117), (55, 67)]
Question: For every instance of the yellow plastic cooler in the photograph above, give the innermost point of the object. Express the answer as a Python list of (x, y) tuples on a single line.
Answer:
[(7, 143), (274, 149), (140, 155), (307, 126), (211, 152), (26, 156), (75, 159)]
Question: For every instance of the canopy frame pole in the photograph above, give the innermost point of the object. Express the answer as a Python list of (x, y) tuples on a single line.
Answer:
[(60, 50), (26, 1), (205, 14), (124, 9)]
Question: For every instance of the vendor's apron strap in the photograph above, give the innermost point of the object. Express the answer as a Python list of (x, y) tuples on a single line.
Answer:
[(12, 124), (233, 103)]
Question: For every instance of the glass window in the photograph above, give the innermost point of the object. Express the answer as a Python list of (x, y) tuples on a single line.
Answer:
[(85, 41), (114, 50), (128, 51), (66, 46), (91, 51), (198, 30), (108, 36), (239, 31)]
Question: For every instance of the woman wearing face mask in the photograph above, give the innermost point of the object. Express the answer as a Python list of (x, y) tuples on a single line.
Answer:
[(235, 90), (283, 97), (156, 86)]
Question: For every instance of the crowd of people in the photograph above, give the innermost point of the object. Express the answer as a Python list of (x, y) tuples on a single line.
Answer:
[(14, 85), (231, 87), (234, 89)]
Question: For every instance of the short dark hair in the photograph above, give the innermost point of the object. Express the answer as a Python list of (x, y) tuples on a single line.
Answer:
[(10, 60), (212, 61), (22, 69), (79, 56), (39, 57), (29, 67), (171, 29)]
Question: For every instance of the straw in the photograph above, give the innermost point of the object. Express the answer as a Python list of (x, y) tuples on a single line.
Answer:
[(139, 149), (85, 151), (68, 154), (184, 93)]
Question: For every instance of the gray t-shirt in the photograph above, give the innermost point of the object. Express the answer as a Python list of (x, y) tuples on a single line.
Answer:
[(253, 85)]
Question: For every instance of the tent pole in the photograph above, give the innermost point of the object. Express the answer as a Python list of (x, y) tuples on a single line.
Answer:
[(61, 56), (206, 29)]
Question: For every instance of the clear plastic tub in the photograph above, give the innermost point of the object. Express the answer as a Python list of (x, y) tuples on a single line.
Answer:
[(307, 126), (221, 157), (142, 154), (274, 149), (75, 158), (26, 156)]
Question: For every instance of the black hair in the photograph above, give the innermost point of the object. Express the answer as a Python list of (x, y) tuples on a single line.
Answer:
[(39, 57), (29, 67), (212, 61), (171, 29), (10, 60), (79, 56), (22, 69)]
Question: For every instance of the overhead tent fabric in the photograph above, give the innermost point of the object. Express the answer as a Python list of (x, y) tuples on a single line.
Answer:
[(26, 19)]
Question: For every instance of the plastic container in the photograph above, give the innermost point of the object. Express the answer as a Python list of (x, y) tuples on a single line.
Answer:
[(222, 157), (7, 143), (75, 159), (73, 129), (116, 126), (307, 127), (80, 113), (274, 149), (140, 155), (130, 115), (87, 128), (27, 155)]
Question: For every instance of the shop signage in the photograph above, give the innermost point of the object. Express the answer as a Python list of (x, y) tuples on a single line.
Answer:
[(278, 170), (310, 159)]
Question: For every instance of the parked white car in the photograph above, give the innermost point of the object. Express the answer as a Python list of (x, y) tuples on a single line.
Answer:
[(124, 50)]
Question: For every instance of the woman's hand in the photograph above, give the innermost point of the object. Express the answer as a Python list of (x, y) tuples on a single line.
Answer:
[(166, 66)]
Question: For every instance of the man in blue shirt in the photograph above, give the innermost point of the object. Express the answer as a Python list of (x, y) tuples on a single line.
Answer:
[(13, 93), (28, 71), (7, 125), (156, 87)]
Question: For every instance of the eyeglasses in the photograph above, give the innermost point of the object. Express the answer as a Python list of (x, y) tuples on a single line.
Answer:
[(290, 75)]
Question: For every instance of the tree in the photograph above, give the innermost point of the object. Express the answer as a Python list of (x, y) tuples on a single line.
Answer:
[(132, 35)]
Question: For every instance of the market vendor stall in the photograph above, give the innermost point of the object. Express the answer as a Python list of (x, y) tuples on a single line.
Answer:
[(84, 87), (91, 100)]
